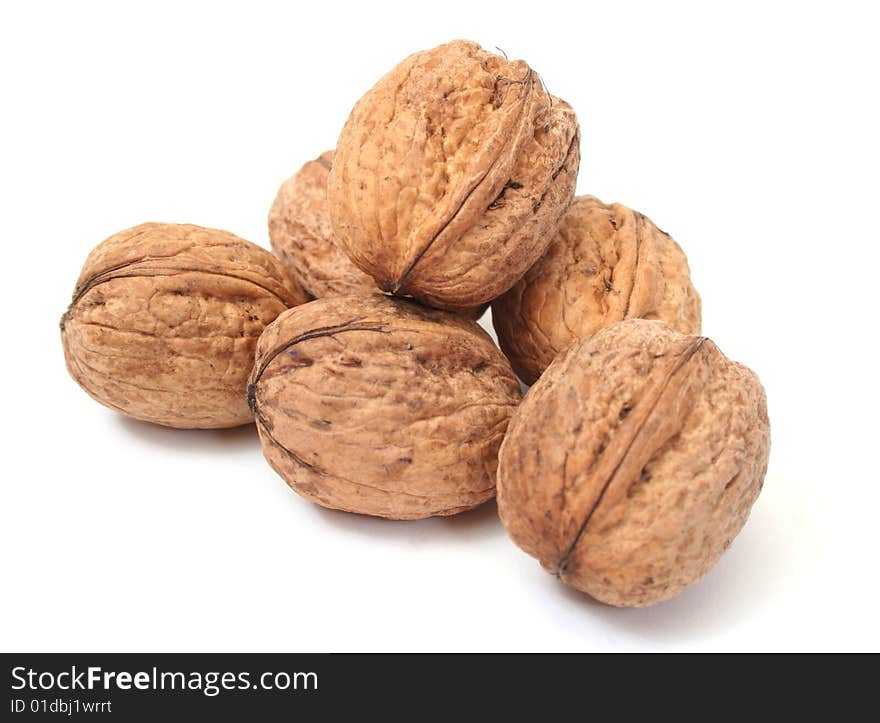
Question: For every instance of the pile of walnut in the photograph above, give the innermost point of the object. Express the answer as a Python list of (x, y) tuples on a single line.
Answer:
[(632, 462)]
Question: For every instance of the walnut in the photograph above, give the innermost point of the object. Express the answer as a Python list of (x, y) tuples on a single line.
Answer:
[(301, 235), (605, 264), (379, 406), (451, 174), (634, 461), (164, 322)]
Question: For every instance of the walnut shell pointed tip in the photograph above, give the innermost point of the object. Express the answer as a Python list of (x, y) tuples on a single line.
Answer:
[(302, 237), (451, 174), (634, 461)]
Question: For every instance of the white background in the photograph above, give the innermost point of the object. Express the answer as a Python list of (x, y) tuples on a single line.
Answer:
[(750, 134)]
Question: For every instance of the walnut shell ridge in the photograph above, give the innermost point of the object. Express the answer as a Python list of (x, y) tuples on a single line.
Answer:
[(165, 319), (634, 461), (378, 406), (302, 237), (451, 174), (606, 263)]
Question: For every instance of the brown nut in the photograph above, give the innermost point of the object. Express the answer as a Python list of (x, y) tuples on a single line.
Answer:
[(164, 321), (606, 263), (376, 405), (634, 461), (302, 237), (451, 175)]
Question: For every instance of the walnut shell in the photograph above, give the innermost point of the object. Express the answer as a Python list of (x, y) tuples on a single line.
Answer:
[(164, 322), (301, 235), (606, 263), (451, 174), (378, 406), (634, 461)]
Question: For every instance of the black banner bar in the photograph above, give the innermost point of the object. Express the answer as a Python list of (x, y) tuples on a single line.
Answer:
[(133, 687)]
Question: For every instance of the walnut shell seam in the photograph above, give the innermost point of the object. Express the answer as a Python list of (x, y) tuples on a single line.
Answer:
[(637, 424)]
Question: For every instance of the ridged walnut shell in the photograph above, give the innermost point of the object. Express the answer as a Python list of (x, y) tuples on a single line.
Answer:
[(379, 406), (451, 175), (606, 263), (301, 235), (633, 462), (165, 319)]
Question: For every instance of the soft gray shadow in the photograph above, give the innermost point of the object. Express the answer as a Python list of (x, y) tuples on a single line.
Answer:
[(198, 441), (751, 575), (478, 523)]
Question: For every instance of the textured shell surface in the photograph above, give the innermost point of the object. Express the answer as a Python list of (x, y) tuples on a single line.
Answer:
[(164, 322), (301, 235), (378, 406), (634, 461), (451, 174), (605, 264)]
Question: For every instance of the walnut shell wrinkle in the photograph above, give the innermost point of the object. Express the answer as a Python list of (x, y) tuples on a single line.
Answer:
[(165, 319), (606, 263), (451, 175), (378, 406), (634, 461), (301, 235)]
